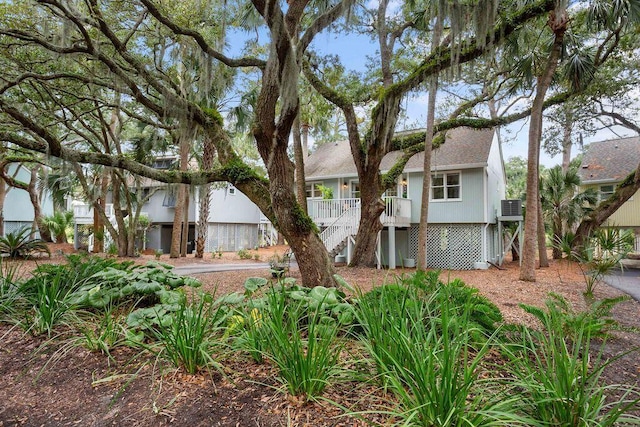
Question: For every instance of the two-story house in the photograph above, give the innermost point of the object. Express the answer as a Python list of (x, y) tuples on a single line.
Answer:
[(604, 165), (234, 221), (467, 185)]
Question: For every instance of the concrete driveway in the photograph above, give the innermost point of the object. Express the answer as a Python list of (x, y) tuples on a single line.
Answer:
[(627, 280), (210, 268)]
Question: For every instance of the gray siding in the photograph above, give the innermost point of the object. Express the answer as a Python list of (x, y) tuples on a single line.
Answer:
[(17, 205), (230, 208), (496, 183), (468, 210), (160, 214)]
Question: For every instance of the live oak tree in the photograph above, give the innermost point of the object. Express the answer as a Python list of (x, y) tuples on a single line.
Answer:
[(391, 85), (109, 46)]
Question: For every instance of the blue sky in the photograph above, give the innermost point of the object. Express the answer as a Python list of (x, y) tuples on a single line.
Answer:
[(353, 52)]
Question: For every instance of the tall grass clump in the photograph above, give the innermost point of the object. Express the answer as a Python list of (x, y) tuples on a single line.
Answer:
[(48, 302), (560, 375), (424, 352), (191, 335), (302, 342), (9, 290)]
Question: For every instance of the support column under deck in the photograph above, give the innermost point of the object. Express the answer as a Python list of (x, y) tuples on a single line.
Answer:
[(392, 247)]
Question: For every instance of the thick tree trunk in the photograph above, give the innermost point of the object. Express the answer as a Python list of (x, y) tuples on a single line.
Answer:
[(99, 209), (299, 157), (558, 22), (178, 214), (38, 219), (316, 268), (202, 226), (371, 207), (122, 233), (542, 238)]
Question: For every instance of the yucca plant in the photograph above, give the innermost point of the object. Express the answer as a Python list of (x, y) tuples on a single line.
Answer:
[(560, 378), (192, 335), (302, 343), (423, 351), (19, 244)]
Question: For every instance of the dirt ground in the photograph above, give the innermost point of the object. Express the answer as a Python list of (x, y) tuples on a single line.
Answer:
[(87, 389)]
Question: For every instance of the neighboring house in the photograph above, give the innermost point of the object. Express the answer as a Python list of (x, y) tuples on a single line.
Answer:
[(234, 221), (467, 185), (18, 209), (605, 164)]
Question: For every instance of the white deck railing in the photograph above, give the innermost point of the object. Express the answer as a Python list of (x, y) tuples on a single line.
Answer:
[(83, 214), (397, 212), (344, 226), (324, 212)]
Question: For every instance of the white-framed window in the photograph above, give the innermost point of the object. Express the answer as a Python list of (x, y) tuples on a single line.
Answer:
[(446, 186), (606, 191), (313, 190)]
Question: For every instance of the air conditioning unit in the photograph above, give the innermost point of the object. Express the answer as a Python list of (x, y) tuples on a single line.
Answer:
[(511, 207)]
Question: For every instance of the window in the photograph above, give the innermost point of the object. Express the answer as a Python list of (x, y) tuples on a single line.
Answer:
[(445, 186), (605, 192), (170, 197), (313, 190), (232, 190)]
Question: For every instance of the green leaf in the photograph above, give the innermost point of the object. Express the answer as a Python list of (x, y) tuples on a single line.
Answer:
[(343, 283), (146, 287), (252, 284)]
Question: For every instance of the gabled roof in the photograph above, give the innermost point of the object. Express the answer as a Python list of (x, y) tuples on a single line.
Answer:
[(611, 160), (464, 148)]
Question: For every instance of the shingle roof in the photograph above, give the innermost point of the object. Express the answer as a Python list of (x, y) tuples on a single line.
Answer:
[(464, 148), (610, 160)]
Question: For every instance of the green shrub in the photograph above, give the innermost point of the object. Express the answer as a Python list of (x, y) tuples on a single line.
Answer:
[(423, 351), (306, 356), (192, 334), (48, 302), (560, 377), (244, 254)]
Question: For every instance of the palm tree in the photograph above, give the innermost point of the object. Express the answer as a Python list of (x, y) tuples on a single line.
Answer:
[(58, 223), (563, 203)]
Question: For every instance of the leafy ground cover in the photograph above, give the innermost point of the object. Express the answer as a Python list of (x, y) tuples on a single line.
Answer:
[(50, 380)]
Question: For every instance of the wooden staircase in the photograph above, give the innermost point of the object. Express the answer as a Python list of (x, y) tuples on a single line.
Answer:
[(336, 236)]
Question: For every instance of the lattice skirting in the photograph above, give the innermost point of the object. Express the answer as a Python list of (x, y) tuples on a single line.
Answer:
[(450, 246), (231, 237), (82, 237), (13, 226)]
